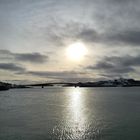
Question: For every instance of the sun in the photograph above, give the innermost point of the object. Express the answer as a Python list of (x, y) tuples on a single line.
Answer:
[(76, 51)]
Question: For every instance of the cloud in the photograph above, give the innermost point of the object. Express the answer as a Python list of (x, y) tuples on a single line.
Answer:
[(127, 60), (125, 37), (31, 57), (131, 37), (89, 35), (75, 31), (7, 52), (11, 67), (116, 65), (24, 57), (121, 1), (102, 65), (118, 16), (60, 35)]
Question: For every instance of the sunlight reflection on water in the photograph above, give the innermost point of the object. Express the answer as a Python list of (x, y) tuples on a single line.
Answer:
[(74, 125), (76, 105), (76, 111)]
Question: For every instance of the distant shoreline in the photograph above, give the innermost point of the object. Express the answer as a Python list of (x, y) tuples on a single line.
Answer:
[(108, 83)]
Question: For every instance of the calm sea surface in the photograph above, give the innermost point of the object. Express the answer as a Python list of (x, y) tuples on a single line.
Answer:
[(70, 114)]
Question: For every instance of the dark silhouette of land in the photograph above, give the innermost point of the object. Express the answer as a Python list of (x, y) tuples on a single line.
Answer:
[(4, 86), (107, 83)]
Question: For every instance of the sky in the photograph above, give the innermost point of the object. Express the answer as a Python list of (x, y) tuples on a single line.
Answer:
[(35, 34)]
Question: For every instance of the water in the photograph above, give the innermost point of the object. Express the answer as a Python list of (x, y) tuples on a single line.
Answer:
[(70, 114)]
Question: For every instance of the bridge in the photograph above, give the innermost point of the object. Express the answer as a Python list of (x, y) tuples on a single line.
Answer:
[(52, 84)]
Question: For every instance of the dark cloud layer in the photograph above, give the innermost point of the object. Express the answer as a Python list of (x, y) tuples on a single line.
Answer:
[(131, 37), (125, 37), (116, 21), (31, 57), (77, 31), (24, 57), (117, 65), (11, 67)]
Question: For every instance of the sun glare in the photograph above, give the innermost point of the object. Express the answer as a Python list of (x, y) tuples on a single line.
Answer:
[(76, 51)]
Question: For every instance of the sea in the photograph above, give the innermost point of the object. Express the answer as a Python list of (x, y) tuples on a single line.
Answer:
[(68, 113)]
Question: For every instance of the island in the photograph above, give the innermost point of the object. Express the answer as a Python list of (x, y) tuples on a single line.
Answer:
[(121, 82), (4, 86), (7, 86)]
